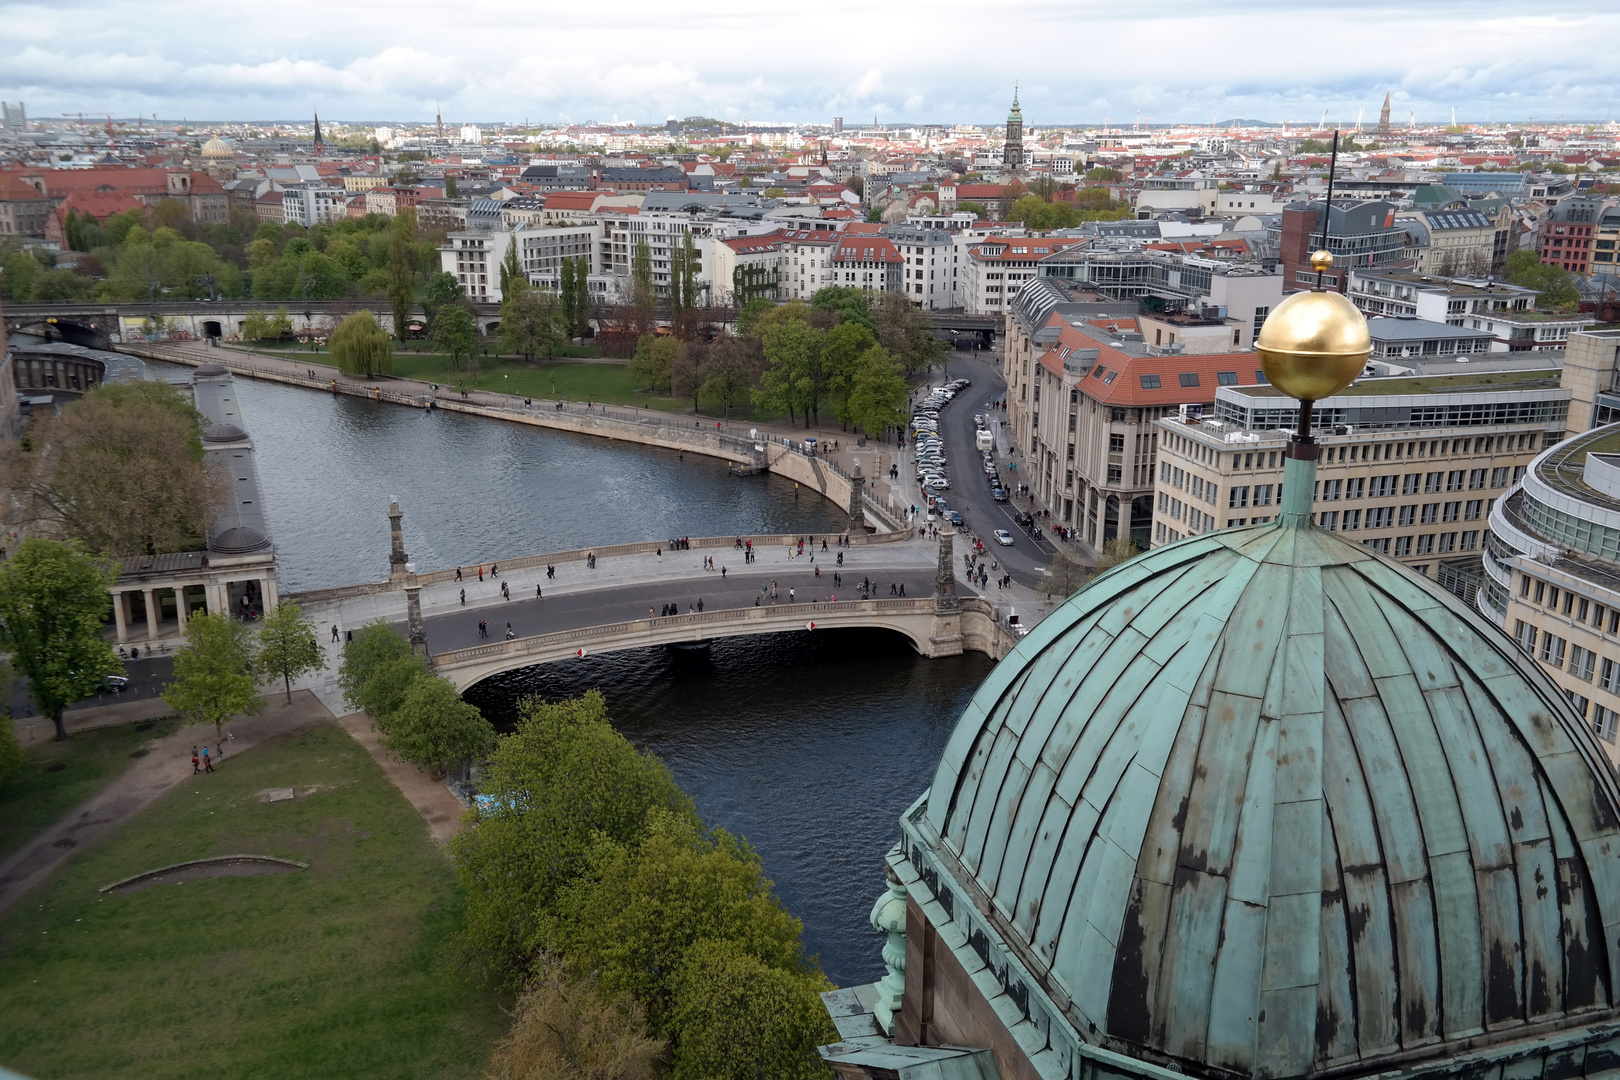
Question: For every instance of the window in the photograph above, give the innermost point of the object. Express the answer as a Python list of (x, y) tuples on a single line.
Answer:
[(1609, 675), (1451, 511), (1328, 520), (1476, 478), (1188, 378), (1470, 540), (1603, 723), (1541, 591), (1226, 378), (1115, 474), (1581, 662), (1149, 382), (1232, 523), (1431, 513), (1408, 514), (1454, 480), (1425, 544), (1352, 520), (1098, 372), (1552, 650), (1581, 704), (1381, 517), (1431, 482), (1237, 497), (1409, 483), (1499, 477), (1403, 546), (1354, 487), (1260, 378), (1331, 489), (1525, 635), (1262, 494), (1381, 544), (1382, 487), (1116, 443), (1471, 511)]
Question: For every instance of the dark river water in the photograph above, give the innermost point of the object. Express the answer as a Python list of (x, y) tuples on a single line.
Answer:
[(810, 746)]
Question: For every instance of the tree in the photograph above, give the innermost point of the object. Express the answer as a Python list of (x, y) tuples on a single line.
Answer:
[(642, 294), (877, 393), (531, 322), (12, 759), (563, 782), (377, 671), (729, 373), (442, 289), (568, 286), (684, 267), (974, 207), (53, 600), (1554, 285), (686, 371), (1116, 551), (564, 1029), (361, 347), (850, 304), (449, 187), (214, 677), (841, 349), (455, 333), (1065, 576), (751, 311), (638, 911), (793, 376), (287, 646), (401, 293), (433, 728), (513, 279), (738, 1018), (1102, 174), (276, 326), (654, 360), (121, 470), (908, 333)]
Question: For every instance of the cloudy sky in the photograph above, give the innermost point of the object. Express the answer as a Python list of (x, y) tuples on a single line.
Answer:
[(941, 61)]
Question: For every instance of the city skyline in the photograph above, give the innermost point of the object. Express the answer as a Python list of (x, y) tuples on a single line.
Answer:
[(946, 63)]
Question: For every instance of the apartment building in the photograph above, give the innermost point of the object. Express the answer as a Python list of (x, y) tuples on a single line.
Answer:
[(932, 265), (1361, 235), (1552, 572), (313, 204), (745, 267), (996, 267), (1457, 242), (1568, 231), (1606, 242), (1084, 390), (867, 261), (806, 258), (1411, 466), (1506, 311), (474, 256)]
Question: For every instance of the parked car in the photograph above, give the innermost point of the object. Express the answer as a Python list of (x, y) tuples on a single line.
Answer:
[(1023, 520), (1004, 538), (955, 516), (998, 494)]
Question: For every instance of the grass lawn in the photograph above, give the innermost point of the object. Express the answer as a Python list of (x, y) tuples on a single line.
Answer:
[(59, 776), (332, 971)]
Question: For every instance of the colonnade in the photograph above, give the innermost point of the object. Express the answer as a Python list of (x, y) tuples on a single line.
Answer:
[(213, 597)]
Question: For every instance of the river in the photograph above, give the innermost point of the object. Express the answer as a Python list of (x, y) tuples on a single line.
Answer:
[(810, 746)]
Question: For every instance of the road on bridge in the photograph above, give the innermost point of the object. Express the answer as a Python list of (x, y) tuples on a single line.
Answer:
[(458, 628)]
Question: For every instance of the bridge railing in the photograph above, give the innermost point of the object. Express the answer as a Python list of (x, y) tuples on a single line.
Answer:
[(697, 620)]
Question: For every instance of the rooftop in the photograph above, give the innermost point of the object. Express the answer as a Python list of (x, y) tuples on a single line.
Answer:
[(1435, 384)]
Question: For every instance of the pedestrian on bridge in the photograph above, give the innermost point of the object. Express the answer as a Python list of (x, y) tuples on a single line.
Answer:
[(700, 603), (722, 573), (551, 571), (463, 597), (537, 595), (790, 594), (334, 634), (458, 573), (483, 629), (480, 573), (510, 633)]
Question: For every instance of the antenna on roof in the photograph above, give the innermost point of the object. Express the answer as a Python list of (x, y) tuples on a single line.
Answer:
[(1327, 212)]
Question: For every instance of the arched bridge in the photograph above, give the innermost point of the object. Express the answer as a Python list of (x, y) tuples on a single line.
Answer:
[(934, 629)]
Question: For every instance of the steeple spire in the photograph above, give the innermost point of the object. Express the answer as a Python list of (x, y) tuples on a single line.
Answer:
[(320, 144)]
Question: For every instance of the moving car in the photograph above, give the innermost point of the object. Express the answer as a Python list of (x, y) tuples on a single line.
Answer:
[(998, 494), (1023, 519), (1004, 538)]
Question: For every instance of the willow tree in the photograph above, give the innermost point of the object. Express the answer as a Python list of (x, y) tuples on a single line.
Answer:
[(361, 347)]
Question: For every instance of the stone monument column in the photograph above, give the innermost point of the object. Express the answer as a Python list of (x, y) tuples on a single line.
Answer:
[(945, 635), (857, 501), (413, 614), (396, 535)]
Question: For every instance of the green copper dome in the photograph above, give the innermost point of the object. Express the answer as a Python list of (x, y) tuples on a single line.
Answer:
[(1016, 115), (1265, 803)]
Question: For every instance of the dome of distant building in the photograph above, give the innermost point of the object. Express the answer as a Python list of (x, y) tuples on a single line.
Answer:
[(1264, 803), (223, 433), (238, 540), (216, 148), (211, 368)]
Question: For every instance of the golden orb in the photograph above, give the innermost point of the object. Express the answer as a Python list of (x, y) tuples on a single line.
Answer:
[(1321, 260), (1313, 345)]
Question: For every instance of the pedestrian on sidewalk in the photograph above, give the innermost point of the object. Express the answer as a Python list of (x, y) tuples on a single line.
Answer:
[(700, 603), (537, 592), (334, 631), (510, 633), (348, 636), (790, 594), (494, 571), (480, 573), (208, 766), (722, 573), (551, 571), (458, 573), (463, 597), (195, 768)]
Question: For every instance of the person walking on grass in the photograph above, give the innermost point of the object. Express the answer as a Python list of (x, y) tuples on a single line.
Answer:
[(208, 766)]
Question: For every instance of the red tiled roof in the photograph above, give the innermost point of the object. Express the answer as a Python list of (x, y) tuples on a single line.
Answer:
[(1116, 376), (863, 247), (99, 204), (980, 191), (571, 200), (1022, 248), (755, 245)]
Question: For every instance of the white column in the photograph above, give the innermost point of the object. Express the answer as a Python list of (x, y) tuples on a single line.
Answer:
[(120, 620), (268, 591), (151, 613), (180, 608)]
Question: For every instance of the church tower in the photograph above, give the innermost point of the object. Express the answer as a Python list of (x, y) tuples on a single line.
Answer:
[(1383, 118), (1012, 154), (320, 144)]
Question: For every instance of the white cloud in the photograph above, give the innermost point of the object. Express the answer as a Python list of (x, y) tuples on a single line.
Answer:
[(949, 60)]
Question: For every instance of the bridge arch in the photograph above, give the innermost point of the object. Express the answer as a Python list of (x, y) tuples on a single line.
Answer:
[(913, 619)]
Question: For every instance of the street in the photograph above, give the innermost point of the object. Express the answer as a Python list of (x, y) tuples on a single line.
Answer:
[(969, 494)]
